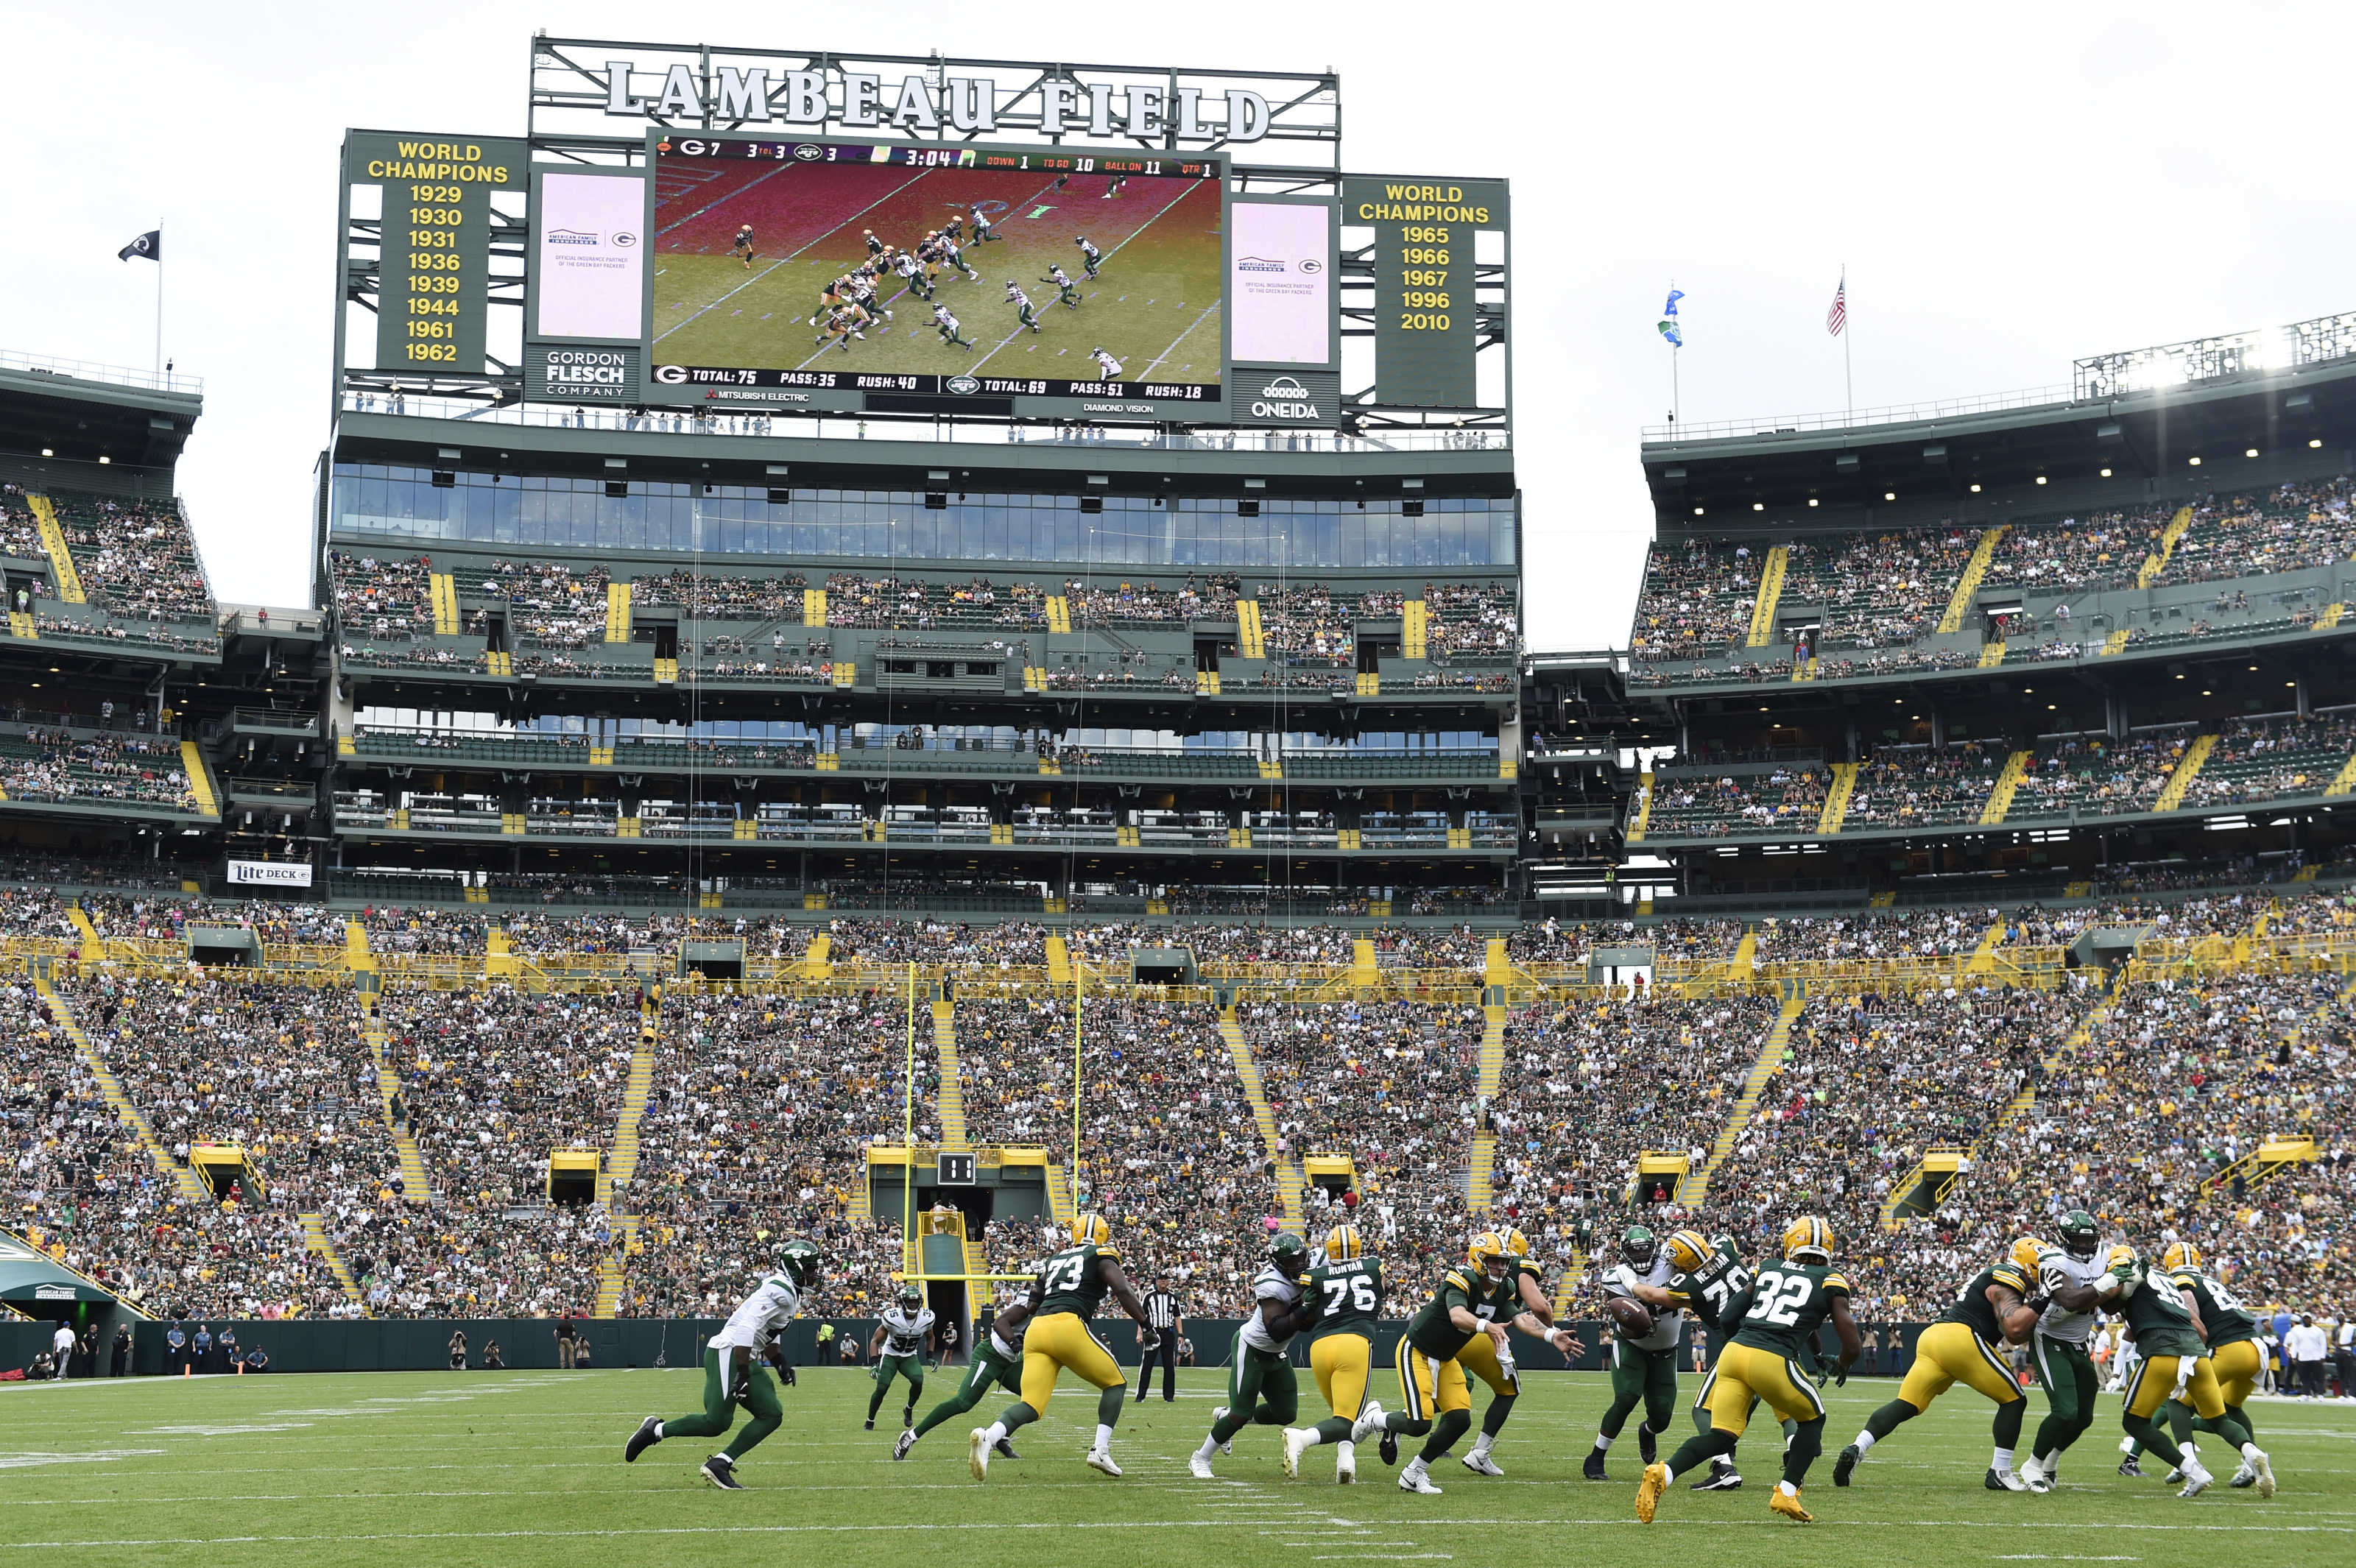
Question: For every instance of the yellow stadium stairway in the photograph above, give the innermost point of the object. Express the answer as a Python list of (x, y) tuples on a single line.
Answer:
[(2328, 616), (444, 589), (67, 581), (2116, 643), (314, 1236), (2014, 1109), (1414, 624), (1288, 1171), (2342, 782), (1746, 958), (1693, 1188), (1967, 586), (2196, 757), (200, 781), (1059, 1197), (1983, 960), (1566, 1288), (2153, 565), (1059, 961), (1837, 798), (1992, 654), (1059, 614), (1250, 640), (415, 1186), (1925, 1186), (1480, 1185), (951, 1098), (618, 613), (1644, 791), (1771, 593), (192, 1186), (2000, 793), (93, 945), (622, 1161)]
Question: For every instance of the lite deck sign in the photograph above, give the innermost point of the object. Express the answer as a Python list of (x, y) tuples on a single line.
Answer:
[(434, 275), (1426, 316)]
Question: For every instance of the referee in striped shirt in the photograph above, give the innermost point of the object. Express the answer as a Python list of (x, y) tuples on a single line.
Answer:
[(1161, 1317)]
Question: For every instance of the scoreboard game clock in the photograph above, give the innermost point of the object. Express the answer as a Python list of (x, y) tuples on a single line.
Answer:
[(1426, 313), (433, 266)]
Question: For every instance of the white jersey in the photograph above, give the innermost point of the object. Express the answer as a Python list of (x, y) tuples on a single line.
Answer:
[(1668, 1323), (904, 1335), (757, 1324), (2056, 1268), (1108, 365), (905, 265), (1057, 276), (1272, 1284), (941, 314), (1017, 298)]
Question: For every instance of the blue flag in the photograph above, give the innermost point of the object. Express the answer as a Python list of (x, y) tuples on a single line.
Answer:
[(1671, 308), (1674, 332)]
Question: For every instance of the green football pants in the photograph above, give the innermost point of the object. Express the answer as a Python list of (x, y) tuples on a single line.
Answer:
[(1261, 1392), (760, 1397), (1646, 1376)]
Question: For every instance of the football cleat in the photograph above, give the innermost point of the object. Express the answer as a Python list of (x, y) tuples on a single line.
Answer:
[(2173, 1475), (1648, 1447), (2244, 1478), (977, 1453), (1593, 1469), (1293, 1444), (2127, 1467), (1648, 1492), (720, 1471), (1480, 1464), (1414, 1480), (2004, 1481), (1219, 1413), (907, 1416), (2265, 1476), (1722, 1477), (1004, 1448), (1101, 1460), (1200, 1468), (1844, 1465), (2197, 1478), (899, 1449), (644, 1438), (1785, 1503), (1388, 1447), (1369, 1422), (871, 1424), (2033, 1475), (1345, 1468)]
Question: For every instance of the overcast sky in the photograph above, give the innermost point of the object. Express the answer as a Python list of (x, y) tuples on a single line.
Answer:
[(2009, 186)]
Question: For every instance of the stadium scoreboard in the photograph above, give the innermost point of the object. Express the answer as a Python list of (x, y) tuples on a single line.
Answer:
[(435, 233), (748, 247)]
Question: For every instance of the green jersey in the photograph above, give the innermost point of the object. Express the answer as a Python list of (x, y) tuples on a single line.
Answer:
[(1972, 1306), (1434, 1330), (1786, 1305), (1708, 1291), (1347, 1296), (2220, 1310), (1072, 1280), (2159, 1319)]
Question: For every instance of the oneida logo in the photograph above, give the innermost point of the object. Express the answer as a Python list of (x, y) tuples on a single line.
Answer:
[(1284, 399)]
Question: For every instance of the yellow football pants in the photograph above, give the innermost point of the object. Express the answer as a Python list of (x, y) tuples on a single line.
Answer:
[(1427, 1387), (1744, 1370), (1344, 1364), (1061, 1342), (1946, 1354), (2155, 1381), (1479, 1358), (2237, 1367)]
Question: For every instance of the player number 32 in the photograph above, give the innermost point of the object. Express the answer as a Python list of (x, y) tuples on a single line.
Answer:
[(1780, 1298)]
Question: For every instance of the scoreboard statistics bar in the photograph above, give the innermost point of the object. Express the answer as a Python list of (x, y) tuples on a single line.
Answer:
[(434, 273)]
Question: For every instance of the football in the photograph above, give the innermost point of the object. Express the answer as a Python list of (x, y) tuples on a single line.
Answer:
[(1630, 1315)]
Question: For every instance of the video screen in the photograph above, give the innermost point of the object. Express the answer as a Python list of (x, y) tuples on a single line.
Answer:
[(591, 265), (936, 270)]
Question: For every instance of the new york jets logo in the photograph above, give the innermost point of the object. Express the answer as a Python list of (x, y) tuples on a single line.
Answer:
[(963, 386), (809, 154)]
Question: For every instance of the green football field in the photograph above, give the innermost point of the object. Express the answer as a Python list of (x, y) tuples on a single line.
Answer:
[(525, 1468)]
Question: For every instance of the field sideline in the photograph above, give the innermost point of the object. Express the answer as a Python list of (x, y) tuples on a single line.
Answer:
[(525, 1468)]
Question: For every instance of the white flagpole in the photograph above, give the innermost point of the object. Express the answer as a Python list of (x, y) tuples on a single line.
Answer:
[(1848, 377), (159, 306)]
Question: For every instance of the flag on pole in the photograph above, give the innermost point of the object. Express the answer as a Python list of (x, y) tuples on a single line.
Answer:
[(1670, 329), (1837, 317), (150, 245)]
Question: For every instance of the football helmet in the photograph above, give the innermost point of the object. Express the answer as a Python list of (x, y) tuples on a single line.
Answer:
[(1488, 1248), (2025, 1254), (1516, 1242), (1808, 1236), (2179, 1254), (1290, 1253), (798, 1258), (1344, 1244), (2080, 1234), (1689, 1249), (1725, 1243), (1092, 1230), (912, 1295), (1639, 1246)]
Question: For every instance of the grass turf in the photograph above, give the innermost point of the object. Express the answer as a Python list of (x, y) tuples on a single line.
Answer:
[(526, 1468)]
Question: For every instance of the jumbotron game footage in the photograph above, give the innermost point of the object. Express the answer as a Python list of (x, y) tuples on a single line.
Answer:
[(908, 884)]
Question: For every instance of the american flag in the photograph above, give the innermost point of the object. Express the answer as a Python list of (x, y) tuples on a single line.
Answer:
[(1837, 317)]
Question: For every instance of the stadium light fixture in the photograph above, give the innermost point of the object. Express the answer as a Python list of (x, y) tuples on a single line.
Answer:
[(2106, 474), (1889, 495), (46, 452), (2252, 452), (103, 460), (2192, 461), (1697, 511), (1758, 506), (2040, 479), (1976, 489), (1812, 500), (2315, 441)]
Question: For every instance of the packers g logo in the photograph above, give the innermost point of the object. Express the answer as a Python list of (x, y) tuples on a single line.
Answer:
[(671, 375)]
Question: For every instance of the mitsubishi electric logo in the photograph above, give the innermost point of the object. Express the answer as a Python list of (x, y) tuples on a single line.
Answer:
[(1284, 399)]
